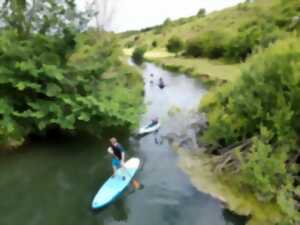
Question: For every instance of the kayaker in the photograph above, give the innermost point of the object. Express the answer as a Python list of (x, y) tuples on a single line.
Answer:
[(118, 153), (161, 83), (154, 121)]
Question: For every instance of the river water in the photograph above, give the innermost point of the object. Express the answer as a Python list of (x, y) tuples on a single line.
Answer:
[(52, 181)]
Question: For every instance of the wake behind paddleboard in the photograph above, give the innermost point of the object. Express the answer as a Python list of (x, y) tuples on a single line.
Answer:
[(115, 185)]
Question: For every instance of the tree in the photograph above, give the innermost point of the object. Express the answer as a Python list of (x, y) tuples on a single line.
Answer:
[(45, 17), (102, 12), (138, 54), (52, 75), (167, 22), (175, 44), (201, 13)]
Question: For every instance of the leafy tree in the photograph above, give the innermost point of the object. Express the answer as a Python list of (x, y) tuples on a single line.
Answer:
[(201, 13), (154, 44), (194, 47), (138, 54), (167, 22), (175, 44), (52, 77), (211, 44)]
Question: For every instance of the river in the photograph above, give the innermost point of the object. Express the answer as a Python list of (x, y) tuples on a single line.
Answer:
[(52, 181)]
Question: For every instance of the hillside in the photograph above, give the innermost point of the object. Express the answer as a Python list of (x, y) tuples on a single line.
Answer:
[(229, 20), (229, 36)]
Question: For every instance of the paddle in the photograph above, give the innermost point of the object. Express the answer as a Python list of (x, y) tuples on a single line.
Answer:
[(135, 183)]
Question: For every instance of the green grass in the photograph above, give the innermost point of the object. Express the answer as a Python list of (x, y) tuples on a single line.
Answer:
[(207, 70), (201, 67), (157, 53)]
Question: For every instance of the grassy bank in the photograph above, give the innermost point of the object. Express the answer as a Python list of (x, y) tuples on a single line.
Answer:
[(208, 71)]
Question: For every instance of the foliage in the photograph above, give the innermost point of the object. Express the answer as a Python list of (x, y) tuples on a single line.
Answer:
[(194, 47), (263, 105), (175, 44), (211, 44), (251, 36), (138, 54), (59, 79), (201, 13), (44, 17), (154, 44), (167, 22)]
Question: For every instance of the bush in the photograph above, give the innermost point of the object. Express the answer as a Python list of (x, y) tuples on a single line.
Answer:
[(194, 47), (264, 104), (175, 44), (138, 55), (43, 86), (244, 43), (215, 42), (201, 13), (211, 44), (154, 44), (130, 44)]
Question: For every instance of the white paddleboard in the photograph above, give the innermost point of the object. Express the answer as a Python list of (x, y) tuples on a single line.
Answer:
[(115, 185)]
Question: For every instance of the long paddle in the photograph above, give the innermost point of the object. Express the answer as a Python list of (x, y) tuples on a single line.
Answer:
[(135, 183)]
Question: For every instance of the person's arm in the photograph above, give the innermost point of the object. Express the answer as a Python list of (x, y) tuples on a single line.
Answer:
[(110, 151), (122, 150), (123, 158)]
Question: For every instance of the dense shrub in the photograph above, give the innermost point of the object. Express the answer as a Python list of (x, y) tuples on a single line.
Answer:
[(154, 44), (264, 104), (257, 34), (138, 54), (201, 13), (194, 47), (210, 44), (175, 44), (130, 44), (54, 75)]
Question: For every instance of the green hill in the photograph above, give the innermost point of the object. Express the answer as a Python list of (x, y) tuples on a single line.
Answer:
[(229, 36), (229, 21)]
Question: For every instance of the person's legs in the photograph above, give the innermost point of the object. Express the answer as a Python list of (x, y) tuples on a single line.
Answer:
[(115, 165)]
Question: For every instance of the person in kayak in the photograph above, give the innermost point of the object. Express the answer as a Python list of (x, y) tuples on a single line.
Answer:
[(161, 83), (154, 121), (118, 153)]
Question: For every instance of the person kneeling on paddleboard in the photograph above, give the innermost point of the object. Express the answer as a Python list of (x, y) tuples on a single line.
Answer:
[(154, 121), (118, 153)]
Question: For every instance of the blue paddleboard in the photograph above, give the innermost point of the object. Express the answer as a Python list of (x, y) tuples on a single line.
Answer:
[(115, 185)]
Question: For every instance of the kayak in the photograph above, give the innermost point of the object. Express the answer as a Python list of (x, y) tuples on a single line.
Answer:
[(147, 129), (115, 185)]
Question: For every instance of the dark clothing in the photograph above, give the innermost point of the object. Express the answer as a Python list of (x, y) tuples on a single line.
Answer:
[(117, 150), (153, 123)]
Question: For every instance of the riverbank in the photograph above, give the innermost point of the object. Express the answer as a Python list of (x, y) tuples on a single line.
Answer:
[(210, 72), (224, 188)]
